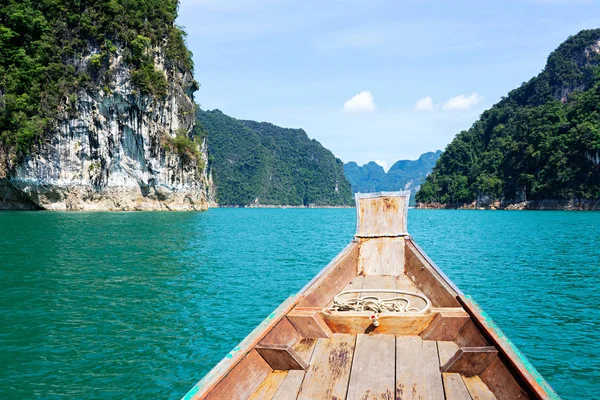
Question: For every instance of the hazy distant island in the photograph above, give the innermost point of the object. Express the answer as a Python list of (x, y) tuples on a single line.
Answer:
[(538, 148), (403, 175)]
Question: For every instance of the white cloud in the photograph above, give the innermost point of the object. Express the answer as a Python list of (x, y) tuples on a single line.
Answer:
[(424, 104), (384, 164), (360, 103), (462, 102)]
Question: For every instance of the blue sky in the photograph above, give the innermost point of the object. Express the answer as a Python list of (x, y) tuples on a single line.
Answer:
[(372, 80)]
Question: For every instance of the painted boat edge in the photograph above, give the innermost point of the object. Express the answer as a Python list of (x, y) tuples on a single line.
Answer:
[(519, 361)]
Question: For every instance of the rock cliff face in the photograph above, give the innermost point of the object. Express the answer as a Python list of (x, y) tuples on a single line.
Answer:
[(113, 148)]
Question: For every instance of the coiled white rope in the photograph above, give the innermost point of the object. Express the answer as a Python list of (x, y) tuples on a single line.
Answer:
[(378, 305)]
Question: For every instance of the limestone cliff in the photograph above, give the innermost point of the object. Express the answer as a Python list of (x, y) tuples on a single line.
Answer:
[(113, 143)]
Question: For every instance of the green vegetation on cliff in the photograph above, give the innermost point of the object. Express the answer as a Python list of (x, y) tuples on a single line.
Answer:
[(262, 163), (542, 141), (44, 45)]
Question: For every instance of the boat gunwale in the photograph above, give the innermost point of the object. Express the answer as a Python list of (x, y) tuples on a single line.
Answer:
[(533, 380)]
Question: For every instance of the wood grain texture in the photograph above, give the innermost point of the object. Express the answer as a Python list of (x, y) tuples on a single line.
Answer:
[(269, 386), (381, 216), (289, 388), (283, 333), (446, 325), (386, 282), (427, 279), (354, 323), (329, 371), (403, 282), (417, 369), (332, 280), (381, 256), (477, 389), (308, 323), (281, 357), (243, 380), (501, 382), (454, 387), (470, 361), (470, 336), (446, 351), (305, 348), (373, 368), (355, 284)]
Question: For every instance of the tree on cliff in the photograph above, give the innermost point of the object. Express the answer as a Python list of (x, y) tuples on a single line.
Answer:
[(542, 141)]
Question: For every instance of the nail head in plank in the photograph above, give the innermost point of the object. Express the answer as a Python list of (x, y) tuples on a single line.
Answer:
[(372, 375), (470, 361), (243, 380), (288, 390), (269, 386), (454, 387), (477, 389), (417, 369), (329, 370)]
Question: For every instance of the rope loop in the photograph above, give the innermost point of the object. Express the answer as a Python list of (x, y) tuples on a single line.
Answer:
[(400, 303)]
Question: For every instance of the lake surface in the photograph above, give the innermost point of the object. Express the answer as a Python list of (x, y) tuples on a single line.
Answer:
[(142, 305)]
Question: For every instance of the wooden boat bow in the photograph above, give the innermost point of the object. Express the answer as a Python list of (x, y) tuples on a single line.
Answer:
[(307, 349)]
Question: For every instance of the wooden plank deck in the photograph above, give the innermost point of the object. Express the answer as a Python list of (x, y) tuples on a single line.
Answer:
[(328, 374), (377, 365), (372, 375)]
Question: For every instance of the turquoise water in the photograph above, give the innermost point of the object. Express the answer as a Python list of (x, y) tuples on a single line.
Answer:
[(141, 305)]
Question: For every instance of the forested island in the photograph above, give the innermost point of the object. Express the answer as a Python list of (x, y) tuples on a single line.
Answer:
[(260, 164), (539, 147), (97, 108)]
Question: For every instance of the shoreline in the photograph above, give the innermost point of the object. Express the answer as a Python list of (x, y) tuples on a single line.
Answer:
[(532, 205)]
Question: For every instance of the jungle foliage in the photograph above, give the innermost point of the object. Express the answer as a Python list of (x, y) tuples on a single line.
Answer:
[(258, 162), (542, 141), (44, 45)]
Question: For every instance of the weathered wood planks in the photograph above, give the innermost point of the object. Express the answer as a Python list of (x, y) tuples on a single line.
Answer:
[(417, 369), (269, 386), (470, 361), (372, 375), (454, 387), (410, 323), (329, 371), (501, 382), (288, 390), (386, 282), (381, 215), (477, 389), (308, 323), (427, 279), (243, 380), (446, 325), (381, 256), (446, 351)]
